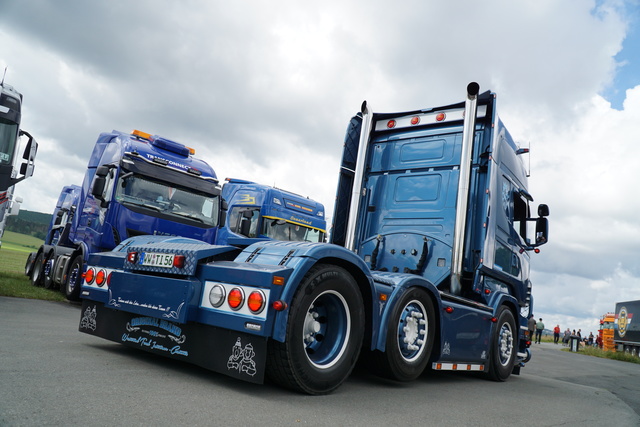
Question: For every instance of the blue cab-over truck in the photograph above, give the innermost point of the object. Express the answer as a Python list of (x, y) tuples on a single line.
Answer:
[(427, 267), (170, 193), (134, 184)]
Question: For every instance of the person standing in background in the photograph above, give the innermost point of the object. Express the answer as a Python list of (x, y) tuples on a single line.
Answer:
[(556, 334), (539, 329)]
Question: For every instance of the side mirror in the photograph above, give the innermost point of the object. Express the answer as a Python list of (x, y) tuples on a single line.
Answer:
[(542, 230), (245, 226), (543, 210), (98, 187), (102, 171)]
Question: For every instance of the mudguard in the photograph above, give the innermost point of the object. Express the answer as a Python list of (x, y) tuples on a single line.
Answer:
[(300, 257)]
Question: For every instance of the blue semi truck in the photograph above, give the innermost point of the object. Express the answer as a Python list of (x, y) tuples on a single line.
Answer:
[(172, 194), (428, 267), (135, 184), (258, 212)]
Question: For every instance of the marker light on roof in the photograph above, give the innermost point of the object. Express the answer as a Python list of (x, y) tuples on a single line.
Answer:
[(391, 124), (440, 117), (141, 134)]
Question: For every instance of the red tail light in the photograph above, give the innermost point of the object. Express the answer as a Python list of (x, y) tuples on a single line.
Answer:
[(178, 261), (256, 302), (235, 298), (89, 276), (132, 257), (101, 278)]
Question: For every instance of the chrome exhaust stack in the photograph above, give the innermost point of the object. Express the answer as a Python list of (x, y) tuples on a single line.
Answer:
[(357, 190), (468, 134)]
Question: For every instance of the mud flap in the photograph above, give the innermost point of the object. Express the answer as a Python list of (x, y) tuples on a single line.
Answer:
[(232, 353)]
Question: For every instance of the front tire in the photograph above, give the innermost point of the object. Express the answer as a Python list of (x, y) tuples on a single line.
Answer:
[(73, 284), (410, 337), (324, 333), (503, 346)]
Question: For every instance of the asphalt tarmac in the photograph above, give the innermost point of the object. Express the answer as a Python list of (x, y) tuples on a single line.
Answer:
[(53, 375)]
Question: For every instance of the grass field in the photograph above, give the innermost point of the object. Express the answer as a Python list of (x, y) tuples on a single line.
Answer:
[(13, 257)]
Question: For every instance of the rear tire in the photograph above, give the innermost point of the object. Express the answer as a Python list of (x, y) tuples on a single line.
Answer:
[(73, 283), (28, 266), (37, 270), (47, 271), (503, 346), (324, 333), (410, 337)]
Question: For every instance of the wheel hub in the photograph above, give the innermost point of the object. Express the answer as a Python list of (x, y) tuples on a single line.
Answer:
[(412, 329)]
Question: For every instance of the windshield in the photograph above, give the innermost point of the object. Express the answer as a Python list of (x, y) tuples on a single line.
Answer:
[(279, 229), (159, 196), (8, 134)]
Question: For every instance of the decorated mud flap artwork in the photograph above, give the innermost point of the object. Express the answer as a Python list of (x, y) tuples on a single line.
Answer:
[(427, 264)]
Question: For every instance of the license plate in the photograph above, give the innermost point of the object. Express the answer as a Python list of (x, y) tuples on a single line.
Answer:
[(157, 260)]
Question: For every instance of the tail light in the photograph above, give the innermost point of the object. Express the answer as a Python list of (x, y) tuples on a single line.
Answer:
[(178, 261), (256, 302), (217, 295), (132, 257), (89, 276), (235, 298), (101, 278)]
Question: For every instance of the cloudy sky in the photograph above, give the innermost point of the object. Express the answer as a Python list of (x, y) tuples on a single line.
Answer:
[(263, 90)]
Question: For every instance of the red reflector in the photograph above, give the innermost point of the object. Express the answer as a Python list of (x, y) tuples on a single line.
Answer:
[(536, 250), (448, 309), (89, 275), (440, 117), (487, 291), (101, 277), (415, 120), (235, 298), (255, 302), (494, 319), (279, 305), (178, 261), (132, 257), (391, 124)]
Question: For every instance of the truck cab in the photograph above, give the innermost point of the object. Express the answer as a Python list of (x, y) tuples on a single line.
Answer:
[(260, 212), (135, 184), (10, 134)]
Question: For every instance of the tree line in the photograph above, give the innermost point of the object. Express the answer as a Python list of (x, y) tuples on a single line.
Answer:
[(34, 224)]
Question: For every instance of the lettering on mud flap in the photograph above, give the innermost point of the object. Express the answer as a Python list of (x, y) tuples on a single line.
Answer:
[(241, 359), (139, 332), (88, 320)]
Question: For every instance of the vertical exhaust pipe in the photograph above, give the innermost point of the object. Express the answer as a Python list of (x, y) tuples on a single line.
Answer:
[(357, 190), (468, 134)]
